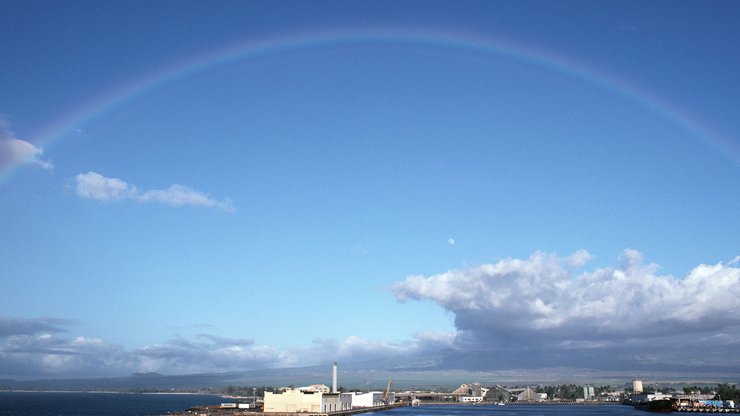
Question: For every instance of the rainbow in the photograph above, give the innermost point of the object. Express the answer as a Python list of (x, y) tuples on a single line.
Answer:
[(56, 132)]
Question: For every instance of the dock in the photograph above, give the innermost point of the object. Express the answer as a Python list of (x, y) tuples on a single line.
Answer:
[(219, 411), (706, 410)]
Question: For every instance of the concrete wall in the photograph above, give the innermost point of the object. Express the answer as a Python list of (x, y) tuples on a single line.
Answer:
[(333, 402), (293, 401)]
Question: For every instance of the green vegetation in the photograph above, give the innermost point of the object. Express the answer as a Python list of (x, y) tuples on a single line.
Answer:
[(728, 392), (244, 391)]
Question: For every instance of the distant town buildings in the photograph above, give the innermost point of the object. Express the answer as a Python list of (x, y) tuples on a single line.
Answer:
[(530, 395), (320, 398), (498, 394), (588, 393), (470, 393)]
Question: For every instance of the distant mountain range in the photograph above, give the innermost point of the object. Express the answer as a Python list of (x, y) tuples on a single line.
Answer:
[(353, 377)]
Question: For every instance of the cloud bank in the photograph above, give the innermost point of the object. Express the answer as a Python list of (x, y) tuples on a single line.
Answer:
[(544, 309), (534, 313), (14, 151), (35, 348), (92, 185)]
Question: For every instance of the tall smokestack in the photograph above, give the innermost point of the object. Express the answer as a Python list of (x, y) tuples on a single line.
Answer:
[(334, 378)]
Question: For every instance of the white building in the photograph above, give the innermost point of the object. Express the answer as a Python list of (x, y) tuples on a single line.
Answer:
[(323, 388), (588, 393), (290, 401), (333, 402), (471, 399), (637, 386), (370, 399)]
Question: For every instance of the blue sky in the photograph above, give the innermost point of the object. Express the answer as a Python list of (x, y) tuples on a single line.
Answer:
[(206, 186)]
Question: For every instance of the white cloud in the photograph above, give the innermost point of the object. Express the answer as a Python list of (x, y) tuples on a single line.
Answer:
[(96, 186), (543, 303), (14, 151), (93, 185), (539, 312), (178, 196)]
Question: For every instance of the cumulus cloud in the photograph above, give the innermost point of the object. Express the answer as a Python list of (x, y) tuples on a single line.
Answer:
[(544, 311), (544, 305), (14, 151), (92, 185)]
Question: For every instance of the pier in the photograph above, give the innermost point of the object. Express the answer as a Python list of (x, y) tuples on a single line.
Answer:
[(706, 410), (219, 411)]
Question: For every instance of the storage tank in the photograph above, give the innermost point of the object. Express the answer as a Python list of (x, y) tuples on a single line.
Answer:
[(637, 386)]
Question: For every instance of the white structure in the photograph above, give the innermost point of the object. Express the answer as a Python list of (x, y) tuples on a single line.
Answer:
[(637, 387), (322, 388), (471, 399), (291, 401), (474, 390), (334, 378), (588, 393), (333, 402), (370, 399), (530, 395)]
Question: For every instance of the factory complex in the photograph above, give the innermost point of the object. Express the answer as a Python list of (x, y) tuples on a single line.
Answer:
[(322, 400), (318, 398)]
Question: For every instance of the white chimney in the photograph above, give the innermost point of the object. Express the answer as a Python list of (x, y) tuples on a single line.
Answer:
[(334, 378)]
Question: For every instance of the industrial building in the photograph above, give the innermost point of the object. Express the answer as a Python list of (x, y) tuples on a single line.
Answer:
[(498, 393), (323, 388), (319, 398), (637, 386), (291, 401), (588, 393), (369, 399), (473, 390), (530, 395)]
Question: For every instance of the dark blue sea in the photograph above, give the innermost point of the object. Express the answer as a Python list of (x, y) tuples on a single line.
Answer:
[(98, 404), (123, 404)]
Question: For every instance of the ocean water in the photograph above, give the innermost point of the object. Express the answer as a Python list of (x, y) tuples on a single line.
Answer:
[(123, 404), (514, 410), (98, 404)]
